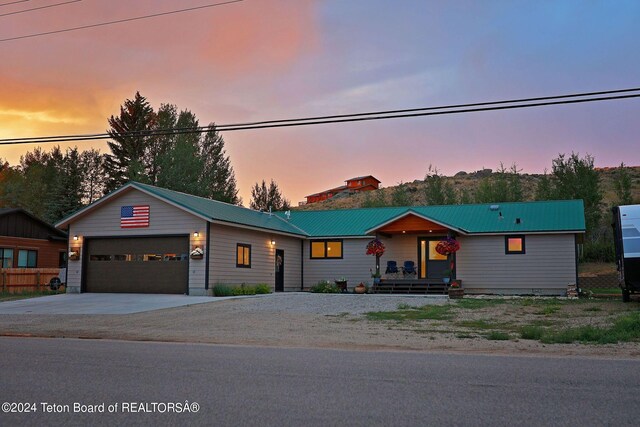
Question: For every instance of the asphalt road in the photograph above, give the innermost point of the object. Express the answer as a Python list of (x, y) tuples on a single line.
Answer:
[(146, 383)]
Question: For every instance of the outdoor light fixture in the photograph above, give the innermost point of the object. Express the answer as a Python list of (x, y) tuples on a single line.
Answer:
[(273, 242), (75, 237), (196, 234)]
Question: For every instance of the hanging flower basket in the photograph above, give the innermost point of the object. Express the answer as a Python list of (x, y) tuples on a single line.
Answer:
[(448, 246), (375, 247)]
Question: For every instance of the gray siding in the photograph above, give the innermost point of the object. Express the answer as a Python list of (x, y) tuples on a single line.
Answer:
[(547, 267), (354, 265), (165, 219), (223, 270)]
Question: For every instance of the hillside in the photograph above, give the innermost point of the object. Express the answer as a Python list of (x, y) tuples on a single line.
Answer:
[(470, 181)]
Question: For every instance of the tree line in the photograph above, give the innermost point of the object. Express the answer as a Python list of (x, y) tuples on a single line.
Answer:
[(144, 146)]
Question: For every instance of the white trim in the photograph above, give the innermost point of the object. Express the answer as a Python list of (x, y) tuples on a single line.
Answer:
[(412, 212), (66, 221), (336, 237)]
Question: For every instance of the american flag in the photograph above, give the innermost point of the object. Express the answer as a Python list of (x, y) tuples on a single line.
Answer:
[(134, 216)]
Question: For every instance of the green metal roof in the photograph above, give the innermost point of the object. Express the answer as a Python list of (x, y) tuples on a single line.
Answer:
[(535, 217), (220, 211)]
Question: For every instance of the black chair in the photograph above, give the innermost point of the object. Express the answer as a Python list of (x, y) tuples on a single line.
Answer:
[(409, 269), (392, 268)]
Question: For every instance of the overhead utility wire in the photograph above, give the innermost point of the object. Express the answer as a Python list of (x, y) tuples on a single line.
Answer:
[(227, 128), (13, 2), (376, 113), (38, 8), (119, 21)]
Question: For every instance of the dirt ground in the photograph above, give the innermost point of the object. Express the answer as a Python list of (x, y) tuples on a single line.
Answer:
[(255, 322)]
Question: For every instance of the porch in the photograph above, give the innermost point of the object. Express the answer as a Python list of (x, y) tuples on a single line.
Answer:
[(410, 264)]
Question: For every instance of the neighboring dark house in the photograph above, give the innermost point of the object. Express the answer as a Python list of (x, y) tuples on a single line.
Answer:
[(353, 185), (29, 242)]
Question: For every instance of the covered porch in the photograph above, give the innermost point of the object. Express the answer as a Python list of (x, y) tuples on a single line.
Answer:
[(410, 263)]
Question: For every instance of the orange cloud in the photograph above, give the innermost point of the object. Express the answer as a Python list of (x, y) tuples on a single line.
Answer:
[(258, 37)]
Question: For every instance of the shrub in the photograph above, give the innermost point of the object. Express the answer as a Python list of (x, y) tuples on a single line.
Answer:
[(600, 251), (263, 288), (326, 287), (498, 336), (531, 332), (244, 290), (222, 291)]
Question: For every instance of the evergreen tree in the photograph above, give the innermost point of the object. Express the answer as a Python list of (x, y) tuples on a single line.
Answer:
[(263, 198), (218, 178), (543, 189), (502, 186), (129, 151), (622, 185), (438, 191), (400, 196)]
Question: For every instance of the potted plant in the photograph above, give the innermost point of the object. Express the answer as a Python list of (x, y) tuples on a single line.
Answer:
[(341, 282), (456, 290), (376, 247), (446, 275), (360, 289), (376, 276)]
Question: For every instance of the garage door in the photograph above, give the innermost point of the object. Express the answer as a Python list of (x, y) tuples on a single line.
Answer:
[(152, 265)]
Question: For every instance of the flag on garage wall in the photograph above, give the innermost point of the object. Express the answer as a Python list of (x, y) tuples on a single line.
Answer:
[(134, 216)]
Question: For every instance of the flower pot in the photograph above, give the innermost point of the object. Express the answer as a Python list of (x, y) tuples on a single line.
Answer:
[(456, 293), (342, 285), (360, 289)]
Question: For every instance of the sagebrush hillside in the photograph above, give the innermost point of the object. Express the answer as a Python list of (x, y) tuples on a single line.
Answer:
[(470, 182)]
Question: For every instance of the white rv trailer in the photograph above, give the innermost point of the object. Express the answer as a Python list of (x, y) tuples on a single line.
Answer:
[(626, 229)]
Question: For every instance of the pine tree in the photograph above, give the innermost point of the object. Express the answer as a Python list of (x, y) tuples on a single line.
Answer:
[(438, 191), (400, 196), (622, 185), (264, 199), (129, 152), (218, 178)]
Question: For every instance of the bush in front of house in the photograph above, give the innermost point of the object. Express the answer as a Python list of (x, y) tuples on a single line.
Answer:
[(263, 288), (235, 290), (326, 287)]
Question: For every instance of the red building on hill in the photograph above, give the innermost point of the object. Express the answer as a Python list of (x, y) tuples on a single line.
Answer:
[(353, 185)]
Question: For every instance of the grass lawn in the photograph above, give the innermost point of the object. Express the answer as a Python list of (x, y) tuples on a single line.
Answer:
[(547, 320)]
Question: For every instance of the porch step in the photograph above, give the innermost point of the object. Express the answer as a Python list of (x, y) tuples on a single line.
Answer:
[(409, 288)]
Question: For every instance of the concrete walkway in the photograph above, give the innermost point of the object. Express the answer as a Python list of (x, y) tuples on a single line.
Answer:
[(100, 303)]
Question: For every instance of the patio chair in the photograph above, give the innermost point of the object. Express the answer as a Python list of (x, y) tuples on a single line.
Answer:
[(392, 268), (409, 269)]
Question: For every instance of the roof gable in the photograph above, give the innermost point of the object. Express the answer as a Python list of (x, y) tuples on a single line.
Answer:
[(17, 222), (207, 209)]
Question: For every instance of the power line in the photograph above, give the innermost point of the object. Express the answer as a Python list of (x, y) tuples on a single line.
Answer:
[(13, 2), (38, 8), (119, 21), (310, 121), (374, 113)]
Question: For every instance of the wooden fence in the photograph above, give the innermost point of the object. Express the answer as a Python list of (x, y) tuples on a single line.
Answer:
[(17, 280)]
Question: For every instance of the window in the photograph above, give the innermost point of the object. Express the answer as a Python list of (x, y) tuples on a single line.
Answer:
[(243, 255), (27, 258), (6, 258), (514, 245), (321, 249)]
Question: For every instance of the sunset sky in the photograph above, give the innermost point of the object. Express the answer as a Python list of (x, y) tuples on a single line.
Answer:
[(273, 59)]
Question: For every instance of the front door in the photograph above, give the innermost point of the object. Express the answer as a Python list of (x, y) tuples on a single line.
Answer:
[(431, 264), (279, 270)]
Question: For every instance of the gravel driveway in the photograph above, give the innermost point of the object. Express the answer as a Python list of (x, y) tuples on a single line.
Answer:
[(303, 320)]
